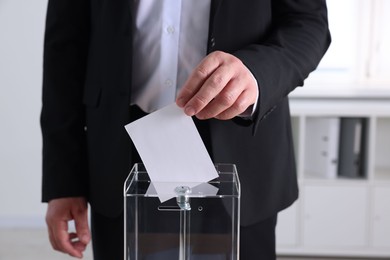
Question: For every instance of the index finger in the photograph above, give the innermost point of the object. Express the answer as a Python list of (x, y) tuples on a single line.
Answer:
[(197, 78), (63, 239)]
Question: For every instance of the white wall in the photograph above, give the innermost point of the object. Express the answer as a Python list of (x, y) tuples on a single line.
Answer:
[(21, 46)]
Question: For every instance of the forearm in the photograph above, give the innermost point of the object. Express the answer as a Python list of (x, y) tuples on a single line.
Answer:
[(292, 50), (63, 116)]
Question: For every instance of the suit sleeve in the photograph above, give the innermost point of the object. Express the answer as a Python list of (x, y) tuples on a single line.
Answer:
[(63, 114), (297, 41)]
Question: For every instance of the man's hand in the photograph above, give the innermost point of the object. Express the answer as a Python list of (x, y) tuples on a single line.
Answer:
[(221, 87), (59, 213)]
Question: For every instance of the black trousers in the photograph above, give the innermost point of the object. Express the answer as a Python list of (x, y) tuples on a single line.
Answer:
[(257, 242)]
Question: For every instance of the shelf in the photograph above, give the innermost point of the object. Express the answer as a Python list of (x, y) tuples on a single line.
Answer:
[(382, 175), (296, 132), (335, 147), (309, 177), (340, 107), (382, 149), (342, 91), (336, 214)]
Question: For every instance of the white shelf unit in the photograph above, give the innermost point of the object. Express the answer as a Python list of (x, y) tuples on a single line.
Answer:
[(337, 216)]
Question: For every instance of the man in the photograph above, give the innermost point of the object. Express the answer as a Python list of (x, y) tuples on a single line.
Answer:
[(109, 62)]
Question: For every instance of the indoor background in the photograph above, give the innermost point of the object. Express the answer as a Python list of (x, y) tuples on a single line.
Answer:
[(341, 213)]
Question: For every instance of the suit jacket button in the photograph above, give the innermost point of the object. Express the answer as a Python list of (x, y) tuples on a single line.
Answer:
[(212, 42)]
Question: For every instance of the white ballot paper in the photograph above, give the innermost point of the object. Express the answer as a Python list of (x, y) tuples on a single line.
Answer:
[(172, 151)]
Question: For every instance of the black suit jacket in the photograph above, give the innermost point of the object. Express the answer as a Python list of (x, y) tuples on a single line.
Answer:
[(86, 96)]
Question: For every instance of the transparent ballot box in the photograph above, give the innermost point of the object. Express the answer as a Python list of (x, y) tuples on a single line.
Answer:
[(197, 222)]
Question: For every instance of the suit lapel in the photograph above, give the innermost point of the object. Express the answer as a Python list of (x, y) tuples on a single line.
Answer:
[(215, 4)]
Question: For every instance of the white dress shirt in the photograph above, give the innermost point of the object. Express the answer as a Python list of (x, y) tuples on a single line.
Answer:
[(163, 55), (170, 39)]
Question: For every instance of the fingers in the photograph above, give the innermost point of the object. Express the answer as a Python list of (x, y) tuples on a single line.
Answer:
[(59, 213), (227, 99), (211, 72), (82, 226), (76, 243), (239, 107), (63, 241), (220, 87)]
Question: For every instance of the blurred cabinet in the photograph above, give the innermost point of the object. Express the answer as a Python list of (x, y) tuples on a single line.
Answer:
[(335, 216), (339, 214), (287, 227), (381, 217)]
